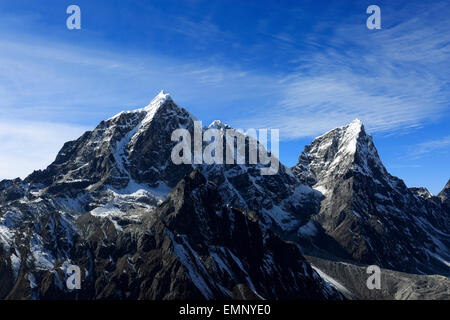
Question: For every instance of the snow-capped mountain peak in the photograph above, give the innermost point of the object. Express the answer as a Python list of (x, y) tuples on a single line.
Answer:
[(445, 193), (104, 205), (357, 122), (158, 101), (422, 192), (335, 152), (351, 129), (350, 134), (341, 141), (150, 109), (217, 124), (447, 188), (366, 210), (355, 127), (105, 194)]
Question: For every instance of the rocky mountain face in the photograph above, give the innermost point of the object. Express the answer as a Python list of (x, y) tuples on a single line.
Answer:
[(131, 147), (192, 246), (373, 216), (140, 227), (105, 205), (444, 195)]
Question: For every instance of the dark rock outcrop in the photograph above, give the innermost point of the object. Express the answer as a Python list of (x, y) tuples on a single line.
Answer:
[(372, 215)]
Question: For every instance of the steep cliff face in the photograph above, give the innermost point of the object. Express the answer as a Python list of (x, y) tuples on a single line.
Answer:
[(104, 205), (372, 215), (131, 147), (444, 195), (141, 227), (226, 252)]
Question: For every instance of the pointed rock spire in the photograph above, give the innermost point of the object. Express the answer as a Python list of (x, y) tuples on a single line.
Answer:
[(157, 101), (445, 193)]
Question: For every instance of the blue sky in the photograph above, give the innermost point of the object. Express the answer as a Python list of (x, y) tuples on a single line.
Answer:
[(304, 67)]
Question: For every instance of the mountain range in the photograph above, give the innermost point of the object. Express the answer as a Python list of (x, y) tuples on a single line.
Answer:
[(140, 227)]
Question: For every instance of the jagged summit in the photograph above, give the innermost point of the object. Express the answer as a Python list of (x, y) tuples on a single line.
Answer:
[(370, 213), (350, 134), (357, 121), (217, 124), (336, 152), (422, 192), (345, 144), (445, 193), (447, 187), (151, 108), (353, 128), (100, 205), (133, 146), (157, 101), (105, 205)]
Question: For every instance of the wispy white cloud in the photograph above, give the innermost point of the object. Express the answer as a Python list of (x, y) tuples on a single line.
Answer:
[(47, 79), (51, 91), (432, 146), (200, 30), (396, 78)]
